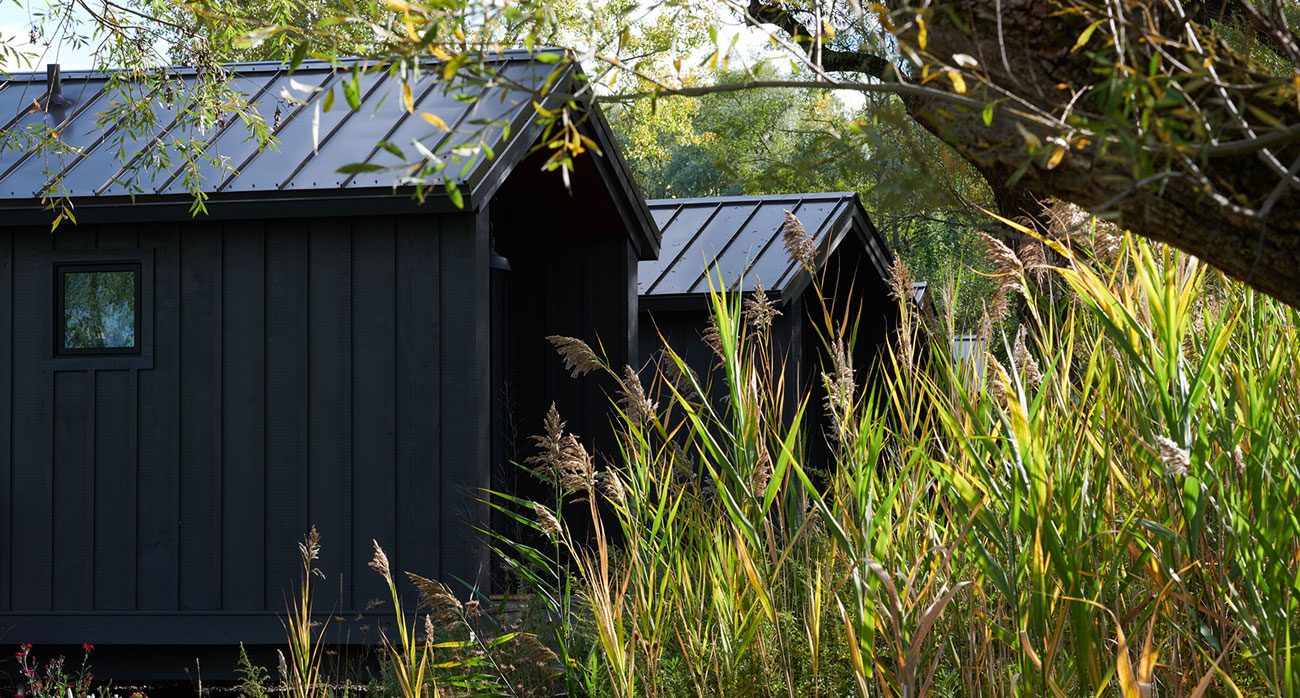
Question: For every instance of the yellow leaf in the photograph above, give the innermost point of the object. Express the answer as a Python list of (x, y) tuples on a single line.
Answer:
[(407, 100), (399, 5), (882, 14), (958, 82), (440, 53), (920, 34), (435, 120), (1055, 158), (827, 30), (1087, 34), (1127, 681)]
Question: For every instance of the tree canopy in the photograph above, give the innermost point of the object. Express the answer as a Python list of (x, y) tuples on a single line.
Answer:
[(1178, 120)]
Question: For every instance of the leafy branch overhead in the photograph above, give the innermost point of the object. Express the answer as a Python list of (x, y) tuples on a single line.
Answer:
[(1178, 120)]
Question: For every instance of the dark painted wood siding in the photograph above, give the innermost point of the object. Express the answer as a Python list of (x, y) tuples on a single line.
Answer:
[(321, 371)]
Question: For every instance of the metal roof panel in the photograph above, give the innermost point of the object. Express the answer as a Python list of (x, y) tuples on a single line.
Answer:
[(345, 136), (740, 237)]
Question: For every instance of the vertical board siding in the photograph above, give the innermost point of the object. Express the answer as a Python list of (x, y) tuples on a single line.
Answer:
[(417, 390), (74, 492), (465, 403), (330, 410), (159, 424), (33, 390), (116, 411), (373, 410), (114, 488), (323, 371), (6, 413), (73, 469), (286, 408), (243, 401), (201, 413)]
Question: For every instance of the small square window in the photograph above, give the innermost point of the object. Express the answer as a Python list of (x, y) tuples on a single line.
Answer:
[(98, 309)]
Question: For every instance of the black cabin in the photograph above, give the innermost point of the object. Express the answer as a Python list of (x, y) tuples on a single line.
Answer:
[(738, 239), (183, 396)]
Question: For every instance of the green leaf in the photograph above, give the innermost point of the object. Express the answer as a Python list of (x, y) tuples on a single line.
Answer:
[(359, 167), (352, 91), (392, 149), (988, 114), (329, 101), (299, 53), (547, 58), (454, 194)]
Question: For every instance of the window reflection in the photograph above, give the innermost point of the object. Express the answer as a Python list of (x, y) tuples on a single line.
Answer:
[(99, 309)]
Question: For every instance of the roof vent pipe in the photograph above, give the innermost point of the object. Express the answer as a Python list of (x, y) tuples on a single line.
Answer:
[(54, 89)]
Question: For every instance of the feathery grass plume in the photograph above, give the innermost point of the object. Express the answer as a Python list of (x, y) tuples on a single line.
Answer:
[(798, 244), (380, 562), (759, 310), (762, 472), (1176, 460), (713, 337), (997, 382), (578, 357), (613, 486), (551, 447), (840, 387), (550, 525), (683, 382), (1034, 255), (283, 668), (900, 280), (1239, 460), (436, 597), (1025, 361), (633, 398), (1007, 271), (577, 467)]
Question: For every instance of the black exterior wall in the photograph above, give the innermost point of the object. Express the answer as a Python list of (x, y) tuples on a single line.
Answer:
[(326, 371)]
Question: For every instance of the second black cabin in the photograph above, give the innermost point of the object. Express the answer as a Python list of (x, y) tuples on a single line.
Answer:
[(738, 239)]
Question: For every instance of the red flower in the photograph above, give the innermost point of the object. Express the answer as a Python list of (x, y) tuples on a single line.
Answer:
[(88, 647), (27, 647)]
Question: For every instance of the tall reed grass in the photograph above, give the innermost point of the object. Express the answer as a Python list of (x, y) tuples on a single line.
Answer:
[(1105, 505)]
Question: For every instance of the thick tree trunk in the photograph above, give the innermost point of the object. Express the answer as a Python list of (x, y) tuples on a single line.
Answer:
[(1027, 51)]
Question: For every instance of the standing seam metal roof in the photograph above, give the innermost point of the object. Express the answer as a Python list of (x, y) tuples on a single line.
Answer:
[(98, 169), (739, 237)]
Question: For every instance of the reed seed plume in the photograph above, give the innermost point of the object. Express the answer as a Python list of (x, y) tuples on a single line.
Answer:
[(683, 382), (997, 380), (1239, 460), (550, 525), (283, 668), (798, 244), (613, 486), (309, 548), (380, 562), (1034, 256), (577, 467), (578, 357), (1007, 273), (759, 310), (713, 337), (1025, 361), (551, 446), (1175, 458), (840, 388), (436, 597), (900, 280), (633, 398)]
